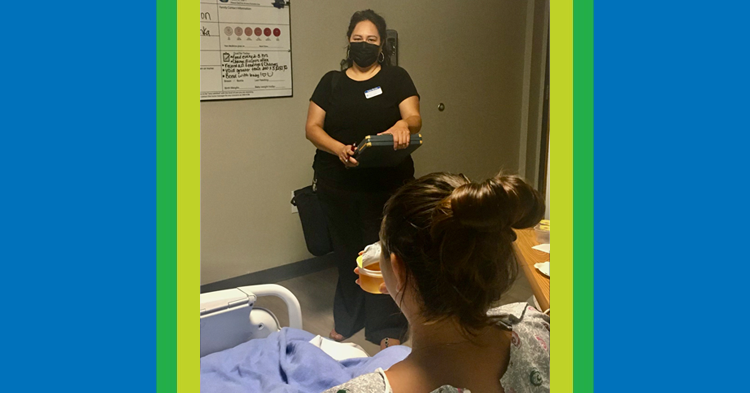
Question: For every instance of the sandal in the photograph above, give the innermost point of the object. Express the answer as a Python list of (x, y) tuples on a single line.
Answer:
[(335, 336), (388, 342)]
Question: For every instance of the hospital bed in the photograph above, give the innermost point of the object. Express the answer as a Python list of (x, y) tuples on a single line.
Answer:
[(245, 349), (229, 317)]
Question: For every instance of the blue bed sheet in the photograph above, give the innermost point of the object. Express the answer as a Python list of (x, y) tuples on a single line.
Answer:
[(285, 362)]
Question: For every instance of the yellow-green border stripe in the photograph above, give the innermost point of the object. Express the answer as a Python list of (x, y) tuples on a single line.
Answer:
[(561, 193), (188, 197)]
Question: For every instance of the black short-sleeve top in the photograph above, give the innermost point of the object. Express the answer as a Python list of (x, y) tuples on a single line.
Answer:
[(355, 109)]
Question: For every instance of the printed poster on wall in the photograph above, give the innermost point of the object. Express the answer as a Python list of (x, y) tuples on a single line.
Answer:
[(246, 50)]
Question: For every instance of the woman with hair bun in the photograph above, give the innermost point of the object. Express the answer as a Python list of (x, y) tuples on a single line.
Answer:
[(447, 257)]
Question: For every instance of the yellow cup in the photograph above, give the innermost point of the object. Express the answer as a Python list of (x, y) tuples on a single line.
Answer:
[(370, 277)]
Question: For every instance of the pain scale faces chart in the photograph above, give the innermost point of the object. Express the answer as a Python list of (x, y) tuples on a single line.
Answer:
[(245, 50)]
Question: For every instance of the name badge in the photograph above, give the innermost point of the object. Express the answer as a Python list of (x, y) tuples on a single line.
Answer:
[(375, 91)]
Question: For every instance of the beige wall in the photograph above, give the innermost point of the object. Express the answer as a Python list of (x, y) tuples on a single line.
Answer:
[(466, 54)]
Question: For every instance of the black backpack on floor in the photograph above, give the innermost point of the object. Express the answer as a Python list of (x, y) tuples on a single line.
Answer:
[(314, 222)]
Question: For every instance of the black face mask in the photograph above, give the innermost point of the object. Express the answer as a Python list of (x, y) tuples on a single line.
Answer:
[(363, 53)]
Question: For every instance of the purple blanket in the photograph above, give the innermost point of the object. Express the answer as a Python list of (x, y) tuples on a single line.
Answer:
[(285, 362)]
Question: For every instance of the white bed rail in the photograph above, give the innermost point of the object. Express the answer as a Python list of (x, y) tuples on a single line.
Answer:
[(229, 317), (292, 304)]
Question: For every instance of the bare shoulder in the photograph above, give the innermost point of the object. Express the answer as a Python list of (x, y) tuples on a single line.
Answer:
[(406, 377)]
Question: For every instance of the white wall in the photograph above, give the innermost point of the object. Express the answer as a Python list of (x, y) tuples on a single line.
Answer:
[(468, 55)]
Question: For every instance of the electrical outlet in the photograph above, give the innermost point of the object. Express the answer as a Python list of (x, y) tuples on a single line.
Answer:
[(294, 208)]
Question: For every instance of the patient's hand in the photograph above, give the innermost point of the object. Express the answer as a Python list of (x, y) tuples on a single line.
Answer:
[(382, 288)]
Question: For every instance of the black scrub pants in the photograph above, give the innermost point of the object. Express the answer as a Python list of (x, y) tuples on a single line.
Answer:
[(354, 220)]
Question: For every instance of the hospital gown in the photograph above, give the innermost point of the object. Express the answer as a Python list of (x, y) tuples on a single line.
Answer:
[(528, 368)]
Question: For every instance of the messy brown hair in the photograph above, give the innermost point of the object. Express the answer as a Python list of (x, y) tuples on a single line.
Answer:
[(456, 240)]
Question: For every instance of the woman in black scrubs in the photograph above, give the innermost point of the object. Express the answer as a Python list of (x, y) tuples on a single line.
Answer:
[(367, 97)]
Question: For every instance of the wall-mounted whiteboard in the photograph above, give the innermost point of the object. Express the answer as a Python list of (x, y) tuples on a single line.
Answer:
[(246, 50)]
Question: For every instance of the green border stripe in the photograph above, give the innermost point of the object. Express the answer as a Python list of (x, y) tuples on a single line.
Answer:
[(166, 197), (188, 197), (561, 192), (583, 201)]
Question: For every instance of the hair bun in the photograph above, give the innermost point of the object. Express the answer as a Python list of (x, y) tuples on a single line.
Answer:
[(500, 203)]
